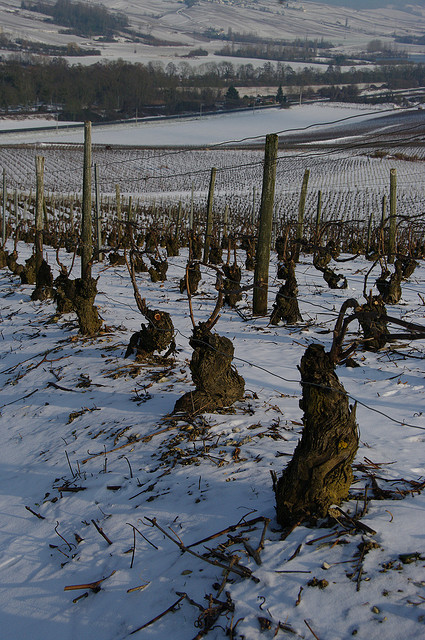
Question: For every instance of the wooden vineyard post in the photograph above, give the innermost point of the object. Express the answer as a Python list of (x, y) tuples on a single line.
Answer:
[(3, 216), (254, 194), (318, 215), (383, 210), (119, 215), (98, 216), (369, 233), (393, 219), (191, 207), (179, 220), (209, 223), (71, 214), (85, 288), (261, 273), (86, 223), (39, 209), (226, 221), (301, 208), (16, 208)]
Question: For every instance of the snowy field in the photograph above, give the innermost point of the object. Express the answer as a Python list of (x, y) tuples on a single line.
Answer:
[(199, 130), (340, 157), (89, 453), (349, 30)]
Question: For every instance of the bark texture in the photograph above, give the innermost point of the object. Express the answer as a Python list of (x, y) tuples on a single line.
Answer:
[(285, 308), (83, 302), (372, 318), (319, 473), (43, 283), (231, 284), (217, 383), (193, 278), (157, 335)]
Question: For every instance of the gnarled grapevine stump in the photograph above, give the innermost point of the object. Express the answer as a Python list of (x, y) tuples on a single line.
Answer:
[(372, 318), (319, 473), (285, 308), (157, 335), (217, 383)]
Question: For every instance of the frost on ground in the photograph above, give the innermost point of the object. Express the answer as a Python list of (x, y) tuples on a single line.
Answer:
[(103, 491)]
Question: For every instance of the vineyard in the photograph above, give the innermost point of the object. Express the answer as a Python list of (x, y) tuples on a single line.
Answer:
[(352, 184), (146, 453)]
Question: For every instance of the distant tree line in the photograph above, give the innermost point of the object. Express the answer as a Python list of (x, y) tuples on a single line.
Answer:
[(253, 38), (296, 52), (30, 46), (365, 4), (119, 89), (410, 39), (79, 17)]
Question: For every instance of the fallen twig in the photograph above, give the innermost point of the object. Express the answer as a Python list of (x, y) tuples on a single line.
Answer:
[(58, 386), (244, 572), (232, 527), (139, 588), (317, 637), (40, 517), (360, 526), (102, 533), (17, 400), (159, 616), (128, 444), (94, 586)]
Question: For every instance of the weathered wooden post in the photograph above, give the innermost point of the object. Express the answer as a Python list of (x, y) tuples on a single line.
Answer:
[(16, 208), (86, 223), (318, 216), (226, 221), (98, 216), (84, 289), (119, 215), (369, 233), (43, 275), (209, 222), (261, 273), (301, 209), (383, 210), (254, 194), (179, 220), (39, 209), (71, 214), (3, 217), (191, 207), (393, 219)]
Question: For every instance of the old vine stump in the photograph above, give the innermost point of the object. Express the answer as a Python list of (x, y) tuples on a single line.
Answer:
[(43, 283), (193, 278), (83, 302), (231, 284), (372, 318), (389, 284), (64, 293), (319, 473), (285, 308), (217, 383), (158, 270), (157, 335)]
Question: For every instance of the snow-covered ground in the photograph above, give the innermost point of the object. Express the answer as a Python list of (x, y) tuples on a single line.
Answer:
[(29, 122), (350, 30), (201, 130), (87, 441)]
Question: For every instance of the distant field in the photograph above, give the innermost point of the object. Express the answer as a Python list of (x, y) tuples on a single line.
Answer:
[(348, 29), (350, 165)]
